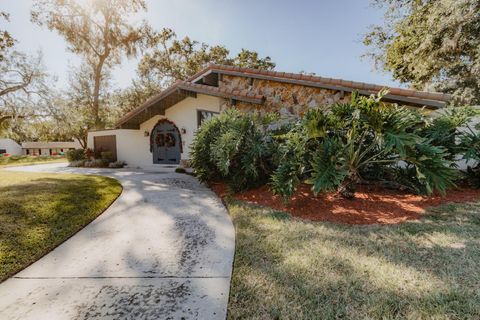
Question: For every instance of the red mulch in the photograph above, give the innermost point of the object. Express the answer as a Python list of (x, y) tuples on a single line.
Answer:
[(371, 205)]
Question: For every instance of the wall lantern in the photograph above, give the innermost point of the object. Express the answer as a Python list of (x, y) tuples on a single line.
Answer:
[(146, 133), (183, 130)]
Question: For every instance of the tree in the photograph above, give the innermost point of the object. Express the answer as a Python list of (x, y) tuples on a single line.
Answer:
[(6, 40), (97, 30), (24, 87), (72, 108), (430, 44), (171, 59), (137, 93)]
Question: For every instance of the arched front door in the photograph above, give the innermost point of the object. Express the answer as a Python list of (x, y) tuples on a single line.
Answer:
[(165, 143)]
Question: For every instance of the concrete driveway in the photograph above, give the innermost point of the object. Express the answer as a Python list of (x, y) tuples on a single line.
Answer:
[(163, 250)]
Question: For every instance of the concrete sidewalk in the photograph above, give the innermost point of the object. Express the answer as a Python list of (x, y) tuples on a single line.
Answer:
[(163, 250)]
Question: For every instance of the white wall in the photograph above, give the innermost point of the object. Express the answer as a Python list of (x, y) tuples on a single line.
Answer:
[(134, 148), (11, 146)]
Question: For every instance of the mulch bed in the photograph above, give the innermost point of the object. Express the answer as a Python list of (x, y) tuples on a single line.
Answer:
[(371, 205)]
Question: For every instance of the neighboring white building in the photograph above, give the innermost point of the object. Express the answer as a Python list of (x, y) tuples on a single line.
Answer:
[(49, 148), (161, 130), (9, 146)]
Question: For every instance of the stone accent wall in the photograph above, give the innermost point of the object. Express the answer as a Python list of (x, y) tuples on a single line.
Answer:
[(289, 100)]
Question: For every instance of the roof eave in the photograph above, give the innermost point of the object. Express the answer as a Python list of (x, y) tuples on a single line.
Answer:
[(188, 87)]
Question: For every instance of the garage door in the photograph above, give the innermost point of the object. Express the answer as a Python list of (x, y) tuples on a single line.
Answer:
[(106, 144)]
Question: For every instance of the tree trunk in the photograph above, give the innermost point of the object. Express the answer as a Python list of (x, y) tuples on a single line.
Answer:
[(96, 92), (82, 139), (96, 98), (347, 188)]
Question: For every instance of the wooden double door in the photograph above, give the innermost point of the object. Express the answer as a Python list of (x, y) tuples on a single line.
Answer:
[(166, 143)]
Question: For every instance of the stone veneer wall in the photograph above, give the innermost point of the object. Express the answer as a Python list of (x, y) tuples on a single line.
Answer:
[(289, 100)]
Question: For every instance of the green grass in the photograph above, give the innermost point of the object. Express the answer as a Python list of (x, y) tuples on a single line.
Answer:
[(39, 211), (289, 269), (29, 160)]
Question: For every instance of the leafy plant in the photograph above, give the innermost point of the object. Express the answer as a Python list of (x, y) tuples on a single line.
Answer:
[(332, 149), (445, 129), (470, 144), (76, 155), (235, 147)]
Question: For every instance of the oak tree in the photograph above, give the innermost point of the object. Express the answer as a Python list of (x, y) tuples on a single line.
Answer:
[(430, 44), (99, 31)]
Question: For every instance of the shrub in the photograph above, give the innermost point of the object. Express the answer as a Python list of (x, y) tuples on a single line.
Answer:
[(78, 163), (180, 170), (75, 155), (117, 164), (446, 131), (235, 147), (470, 146), (89, 153), (107, 156), (96, 163), (335, 149)]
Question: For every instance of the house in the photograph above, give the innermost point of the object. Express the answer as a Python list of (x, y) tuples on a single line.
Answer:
[(161, 130), (50, 148), (9, 146)]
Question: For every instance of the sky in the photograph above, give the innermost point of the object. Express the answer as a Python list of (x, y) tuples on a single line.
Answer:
[(319, 36)]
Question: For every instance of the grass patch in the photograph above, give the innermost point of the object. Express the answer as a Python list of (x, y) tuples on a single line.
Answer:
[(29, 160), (39, 211), (290, 269)]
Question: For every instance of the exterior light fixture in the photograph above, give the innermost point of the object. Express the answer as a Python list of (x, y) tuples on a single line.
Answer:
[(146, 133), (183, 130)]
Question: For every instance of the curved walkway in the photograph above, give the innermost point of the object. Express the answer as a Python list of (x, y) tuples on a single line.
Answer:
[(163, 250)]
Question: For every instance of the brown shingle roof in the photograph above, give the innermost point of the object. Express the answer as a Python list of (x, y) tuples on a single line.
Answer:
[(275, 75), (411, 97), (196, 88)]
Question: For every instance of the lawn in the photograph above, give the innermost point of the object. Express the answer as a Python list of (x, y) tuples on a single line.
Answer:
[(38, 211), (29, 160), (287, 268)]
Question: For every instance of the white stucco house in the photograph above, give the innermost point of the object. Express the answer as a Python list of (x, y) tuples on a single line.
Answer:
[(9, 146), (161, 130), (50, 148)]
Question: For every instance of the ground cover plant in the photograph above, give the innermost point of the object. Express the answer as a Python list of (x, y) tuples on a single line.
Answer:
[(29, 160), (291, 269), (89, 159), (38, 211)]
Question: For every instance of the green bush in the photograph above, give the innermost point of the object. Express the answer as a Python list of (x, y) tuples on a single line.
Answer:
[(96, 163), (234, 147), (337, 148), (470, 146), (76, 155), (117, 164), (180, 170), (445, 130), (106, 156), (77, 163)]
